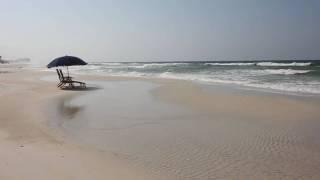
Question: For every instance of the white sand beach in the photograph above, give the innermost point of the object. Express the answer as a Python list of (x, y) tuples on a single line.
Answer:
[(139, 128), (160, 90)]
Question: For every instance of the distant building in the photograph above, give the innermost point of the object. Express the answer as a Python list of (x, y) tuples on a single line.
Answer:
[(2, 61)]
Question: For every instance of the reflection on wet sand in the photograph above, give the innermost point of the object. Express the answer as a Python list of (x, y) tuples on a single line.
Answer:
[(68, 110)]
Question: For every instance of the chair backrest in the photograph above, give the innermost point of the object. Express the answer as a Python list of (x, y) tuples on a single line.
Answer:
[(59, 74)]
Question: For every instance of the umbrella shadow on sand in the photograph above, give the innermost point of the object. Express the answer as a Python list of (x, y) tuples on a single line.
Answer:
[(76, 88)]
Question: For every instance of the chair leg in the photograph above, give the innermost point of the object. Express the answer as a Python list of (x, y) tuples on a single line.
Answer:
[(62, 85), (71, 85)]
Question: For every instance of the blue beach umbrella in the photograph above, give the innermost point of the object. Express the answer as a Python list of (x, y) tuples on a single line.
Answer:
[(66, 61)]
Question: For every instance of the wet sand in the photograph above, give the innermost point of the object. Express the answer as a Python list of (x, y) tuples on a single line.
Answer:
[(128, 128), (191, 131)]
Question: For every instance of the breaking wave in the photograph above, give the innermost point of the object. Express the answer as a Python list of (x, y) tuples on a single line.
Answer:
[(287, 71), (283, 64), (230, 64)]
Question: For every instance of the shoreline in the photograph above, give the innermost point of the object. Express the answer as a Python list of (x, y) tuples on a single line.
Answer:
[(207, 112), (214, 86)]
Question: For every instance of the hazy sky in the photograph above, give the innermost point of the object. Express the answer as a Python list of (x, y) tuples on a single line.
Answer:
[(155, 30)]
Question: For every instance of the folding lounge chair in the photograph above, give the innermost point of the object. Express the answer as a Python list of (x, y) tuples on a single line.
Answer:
[(60, 78), (67, 80)]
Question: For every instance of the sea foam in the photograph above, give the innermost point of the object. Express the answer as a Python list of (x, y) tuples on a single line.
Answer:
[(283, 64), (298, 77)]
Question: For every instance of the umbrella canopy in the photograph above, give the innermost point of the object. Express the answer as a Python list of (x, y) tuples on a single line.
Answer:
[(66, 61)]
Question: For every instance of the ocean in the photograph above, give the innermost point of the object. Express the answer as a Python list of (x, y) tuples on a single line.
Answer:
[(284, 76)]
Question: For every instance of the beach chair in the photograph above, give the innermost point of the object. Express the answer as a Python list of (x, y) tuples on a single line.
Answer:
[(60, 78), (67, 80)]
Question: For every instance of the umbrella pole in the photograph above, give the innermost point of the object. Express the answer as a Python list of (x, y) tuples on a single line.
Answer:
[(68, 71)]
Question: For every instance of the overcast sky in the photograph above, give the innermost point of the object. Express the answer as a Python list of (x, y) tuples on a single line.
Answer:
[(156, 30)]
